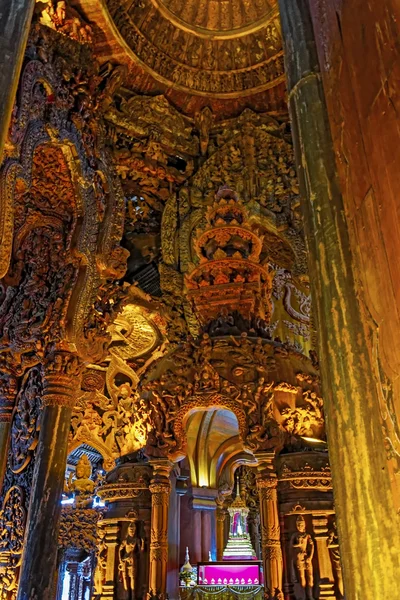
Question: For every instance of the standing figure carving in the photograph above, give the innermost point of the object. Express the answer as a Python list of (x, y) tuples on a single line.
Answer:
[(128, 560), (302, 552), (334, 554), (101, 566)]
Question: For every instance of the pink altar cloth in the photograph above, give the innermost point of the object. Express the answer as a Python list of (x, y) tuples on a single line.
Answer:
[(230, 573)]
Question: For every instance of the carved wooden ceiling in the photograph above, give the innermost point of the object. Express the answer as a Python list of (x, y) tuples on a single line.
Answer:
[(226, 54)]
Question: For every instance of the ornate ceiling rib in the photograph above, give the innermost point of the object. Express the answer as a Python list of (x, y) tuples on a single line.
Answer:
[(218, 19), (212, 47)]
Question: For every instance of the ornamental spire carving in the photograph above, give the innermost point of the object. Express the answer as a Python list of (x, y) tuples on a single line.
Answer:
[(229, 277)]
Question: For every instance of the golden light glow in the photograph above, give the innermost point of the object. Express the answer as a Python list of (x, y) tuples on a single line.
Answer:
[(312, 440)]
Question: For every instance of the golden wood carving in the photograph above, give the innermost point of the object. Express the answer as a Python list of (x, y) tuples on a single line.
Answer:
[(306, 476), (59, 15), (81, 487), (56, 296), (211, 373), (229, 273), (78, 528)]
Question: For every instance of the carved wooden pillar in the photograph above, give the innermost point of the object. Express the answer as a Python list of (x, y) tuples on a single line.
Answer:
[(195, 547), (16, 16), (206, 534), (160, 488), (267, 482), (361, 478), (221, 517), (111, 529), (320, 528), (60, 386), (8, 390)]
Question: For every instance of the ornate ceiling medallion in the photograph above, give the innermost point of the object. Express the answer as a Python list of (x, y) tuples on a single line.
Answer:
[(219, 47), (219, 19)]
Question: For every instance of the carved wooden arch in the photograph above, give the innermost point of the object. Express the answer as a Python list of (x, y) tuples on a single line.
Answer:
[(12, 171), (36, 124), (85, 228), (206, 401)]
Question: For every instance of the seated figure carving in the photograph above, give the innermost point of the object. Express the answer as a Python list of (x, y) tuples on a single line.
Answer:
[(81, 488)]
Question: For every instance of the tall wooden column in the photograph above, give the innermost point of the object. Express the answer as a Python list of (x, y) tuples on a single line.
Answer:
[(15, 21), (160, 489), (267, 482), (359, 460), (61, 384)]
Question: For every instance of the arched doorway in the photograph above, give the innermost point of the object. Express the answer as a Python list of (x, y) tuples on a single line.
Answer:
[(214, 450)]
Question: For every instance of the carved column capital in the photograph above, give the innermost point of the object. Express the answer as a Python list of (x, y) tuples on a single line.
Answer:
[(267, 479), (157, 488), (62, 372), (320, 525), (266, 461), (220, 515), (162, 468)]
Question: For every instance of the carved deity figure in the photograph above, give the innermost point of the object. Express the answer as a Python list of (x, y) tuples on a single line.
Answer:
[(334, 553), (128, 559), (82, 487), (101, 566), (302, 552)]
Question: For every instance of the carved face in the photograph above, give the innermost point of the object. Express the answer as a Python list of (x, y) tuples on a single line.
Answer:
[(132, 529), (83, 468), (301, 524)]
